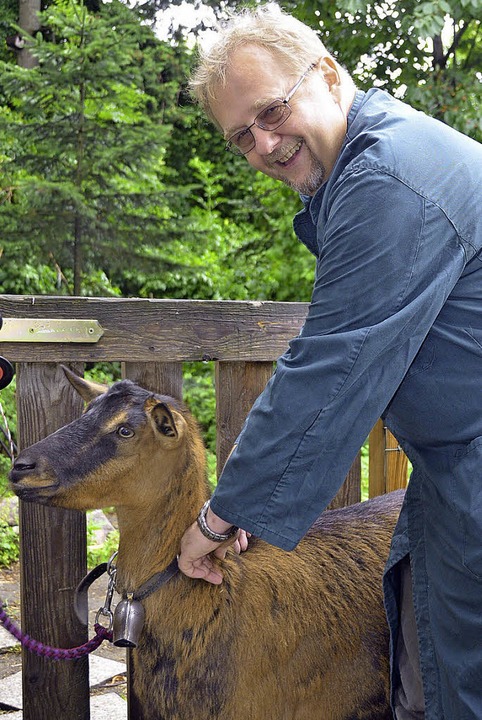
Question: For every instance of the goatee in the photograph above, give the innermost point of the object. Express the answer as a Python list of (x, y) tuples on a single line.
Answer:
[(312, 182)]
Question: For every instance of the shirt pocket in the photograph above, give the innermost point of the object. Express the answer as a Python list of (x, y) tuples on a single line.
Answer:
[(468, 489)]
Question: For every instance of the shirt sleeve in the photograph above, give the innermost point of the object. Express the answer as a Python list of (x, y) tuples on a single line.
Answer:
[(388, 260)]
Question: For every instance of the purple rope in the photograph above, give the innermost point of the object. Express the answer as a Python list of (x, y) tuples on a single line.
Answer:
[(38, 648)]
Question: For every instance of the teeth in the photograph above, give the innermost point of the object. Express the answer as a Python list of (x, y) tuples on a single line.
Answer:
[(290, 153)]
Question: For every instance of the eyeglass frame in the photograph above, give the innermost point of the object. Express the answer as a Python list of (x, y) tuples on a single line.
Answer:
[(231, 146)]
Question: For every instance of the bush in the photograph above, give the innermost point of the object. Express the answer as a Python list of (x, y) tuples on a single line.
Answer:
[(9, 544)]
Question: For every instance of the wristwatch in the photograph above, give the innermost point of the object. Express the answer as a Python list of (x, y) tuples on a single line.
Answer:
[(211, 534)]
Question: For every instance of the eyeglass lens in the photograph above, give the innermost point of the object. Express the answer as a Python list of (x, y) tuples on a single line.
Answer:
[(268, 119)]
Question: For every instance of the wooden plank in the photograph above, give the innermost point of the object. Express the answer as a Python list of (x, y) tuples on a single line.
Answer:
[(137, 330), (388, 464), (376, 460), (161, 377), (237, 387), (164, 378), (396, 464), (53, 559), (350, 491)]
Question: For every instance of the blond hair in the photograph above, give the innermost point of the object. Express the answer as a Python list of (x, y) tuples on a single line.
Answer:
[(267, 26)]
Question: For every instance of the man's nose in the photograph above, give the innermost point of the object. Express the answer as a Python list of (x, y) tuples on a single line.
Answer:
[(266, 140)]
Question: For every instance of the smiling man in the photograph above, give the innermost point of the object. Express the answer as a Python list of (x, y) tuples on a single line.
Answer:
[(299, 144), (392, 213)]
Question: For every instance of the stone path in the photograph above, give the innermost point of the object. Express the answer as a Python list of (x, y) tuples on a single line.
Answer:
[(107, 698), (105, 703)]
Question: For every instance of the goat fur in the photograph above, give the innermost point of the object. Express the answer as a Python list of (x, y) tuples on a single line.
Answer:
[(298, 635)]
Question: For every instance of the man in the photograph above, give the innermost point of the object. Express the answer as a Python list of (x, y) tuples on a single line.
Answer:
[(393, 214)]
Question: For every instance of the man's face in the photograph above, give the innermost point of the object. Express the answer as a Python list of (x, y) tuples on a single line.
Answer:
[(303, 150)]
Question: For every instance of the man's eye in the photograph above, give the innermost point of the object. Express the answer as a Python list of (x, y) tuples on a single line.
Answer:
[(271, 115), (241, 135)]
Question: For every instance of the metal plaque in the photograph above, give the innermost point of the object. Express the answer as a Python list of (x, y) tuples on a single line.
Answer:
[(50, 330)]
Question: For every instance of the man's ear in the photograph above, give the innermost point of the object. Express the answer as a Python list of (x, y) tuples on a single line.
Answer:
[(87, 389), (331, 74)]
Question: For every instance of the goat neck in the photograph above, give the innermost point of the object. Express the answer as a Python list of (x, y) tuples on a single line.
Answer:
[(150, 535)]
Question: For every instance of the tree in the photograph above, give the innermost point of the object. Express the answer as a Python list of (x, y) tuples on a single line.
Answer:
[(83, 138), (29, 22), (427, 52)]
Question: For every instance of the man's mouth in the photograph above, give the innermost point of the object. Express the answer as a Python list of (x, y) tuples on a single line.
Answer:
[(290, 153)]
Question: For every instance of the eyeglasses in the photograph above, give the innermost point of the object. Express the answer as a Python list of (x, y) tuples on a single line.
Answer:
[(270, 118)]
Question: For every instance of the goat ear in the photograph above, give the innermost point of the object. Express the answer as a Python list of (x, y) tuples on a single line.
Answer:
[(164, 420), (87, 389)]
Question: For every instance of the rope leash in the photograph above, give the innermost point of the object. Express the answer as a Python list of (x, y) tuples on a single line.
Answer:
[(38, 648)]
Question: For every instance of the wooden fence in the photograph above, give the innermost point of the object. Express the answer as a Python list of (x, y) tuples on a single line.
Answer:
[(152, 339)]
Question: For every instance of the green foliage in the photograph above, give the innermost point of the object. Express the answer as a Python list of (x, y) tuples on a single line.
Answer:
[(106, 164), (230, 251), (429, 52), (9, 544), (7, 17), (9, 424), (199, 395), (82, 139), (96, 553)]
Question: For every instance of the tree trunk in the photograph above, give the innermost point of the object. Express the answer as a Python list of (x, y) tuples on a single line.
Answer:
[(28, 20)]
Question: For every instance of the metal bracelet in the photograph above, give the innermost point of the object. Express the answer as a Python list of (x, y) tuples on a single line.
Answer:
[(206, 530)]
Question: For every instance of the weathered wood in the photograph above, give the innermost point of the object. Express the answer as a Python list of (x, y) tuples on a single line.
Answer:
[(350, 491), (376, 460), (237, 387), (153, 330), (161, 377), (165, 378), (151, 339), (53, 559), (388, 465), (396, 464)]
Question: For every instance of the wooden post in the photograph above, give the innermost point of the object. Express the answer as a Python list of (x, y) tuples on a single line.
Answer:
[(164, 378), (388, 464), (161, 377), (53, 560), (237, 387), (350, 491)]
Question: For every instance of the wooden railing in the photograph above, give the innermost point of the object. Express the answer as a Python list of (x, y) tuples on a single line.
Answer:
[(152, 339)]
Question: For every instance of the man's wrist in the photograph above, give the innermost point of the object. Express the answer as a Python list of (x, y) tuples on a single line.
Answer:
[(216, 523), (213, 527)]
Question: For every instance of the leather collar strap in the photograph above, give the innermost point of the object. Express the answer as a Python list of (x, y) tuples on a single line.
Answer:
[(81, 598), (155, 582)]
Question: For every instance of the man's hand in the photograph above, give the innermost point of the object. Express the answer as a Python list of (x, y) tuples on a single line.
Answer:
[(196, 557)]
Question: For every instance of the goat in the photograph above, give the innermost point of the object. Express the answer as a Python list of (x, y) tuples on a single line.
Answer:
[(298, 635)]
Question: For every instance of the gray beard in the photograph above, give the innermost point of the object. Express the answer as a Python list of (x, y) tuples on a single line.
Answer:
[(315, 179)]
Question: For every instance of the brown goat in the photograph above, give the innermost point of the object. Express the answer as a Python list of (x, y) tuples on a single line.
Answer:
[(295, 635)]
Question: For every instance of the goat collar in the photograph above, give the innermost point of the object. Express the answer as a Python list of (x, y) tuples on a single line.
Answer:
[(154, 583)]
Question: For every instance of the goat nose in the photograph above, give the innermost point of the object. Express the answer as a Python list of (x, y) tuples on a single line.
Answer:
[(21, 467)]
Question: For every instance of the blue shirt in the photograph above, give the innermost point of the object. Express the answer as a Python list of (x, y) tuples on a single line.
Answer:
[(394, 326)]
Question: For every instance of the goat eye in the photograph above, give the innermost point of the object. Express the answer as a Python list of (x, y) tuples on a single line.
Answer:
[(125, 432)]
